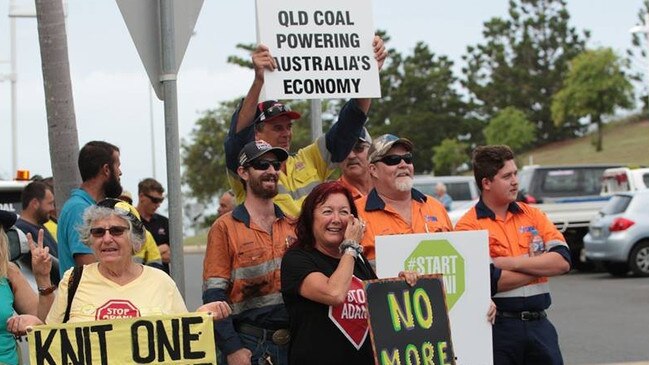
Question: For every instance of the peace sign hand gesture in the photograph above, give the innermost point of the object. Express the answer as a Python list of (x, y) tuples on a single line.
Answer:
[(41, 259)]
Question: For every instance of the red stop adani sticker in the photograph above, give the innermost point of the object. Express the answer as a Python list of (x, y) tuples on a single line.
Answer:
[(351, 316), (117, 308)]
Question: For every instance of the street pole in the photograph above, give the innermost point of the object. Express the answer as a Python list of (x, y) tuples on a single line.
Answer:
[(150, 90), (316, 118), (168, 79)]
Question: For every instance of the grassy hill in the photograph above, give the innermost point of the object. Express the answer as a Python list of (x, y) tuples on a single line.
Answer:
[(625, 142)]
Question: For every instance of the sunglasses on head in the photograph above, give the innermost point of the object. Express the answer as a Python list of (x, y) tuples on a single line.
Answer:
[(263, 165), (360, 146), (155, 199), (273, 111), (392, 160), (114, 231)]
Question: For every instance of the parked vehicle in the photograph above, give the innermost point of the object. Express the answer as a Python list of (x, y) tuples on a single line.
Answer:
[(569, 196), (622, 179), (619, 235), (462, 189)]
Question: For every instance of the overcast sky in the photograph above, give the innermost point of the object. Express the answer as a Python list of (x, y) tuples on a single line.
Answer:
[(110, 85)]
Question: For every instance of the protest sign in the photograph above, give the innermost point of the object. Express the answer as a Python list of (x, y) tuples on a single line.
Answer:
[(323, 49), (170, 339), (409, 325), (463, 259)]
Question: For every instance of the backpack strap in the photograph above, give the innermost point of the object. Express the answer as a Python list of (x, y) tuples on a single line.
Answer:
[(73, 284)]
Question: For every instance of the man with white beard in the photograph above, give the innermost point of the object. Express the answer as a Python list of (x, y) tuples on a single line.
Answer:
[(393, 206)]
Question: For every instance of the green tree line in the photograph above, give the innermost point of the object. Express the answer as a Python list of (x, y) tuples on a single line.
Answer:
[(522, 85)]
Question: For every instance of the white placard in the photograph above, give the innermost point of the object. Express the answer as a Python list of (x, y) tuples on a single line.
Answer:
[(463, 258), (323, 49)]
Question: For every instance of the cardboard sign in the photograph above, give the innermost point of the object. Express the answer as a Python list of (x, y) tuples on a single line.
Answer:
[(463, 259), (409, 325), (178, 339), (323, 49)]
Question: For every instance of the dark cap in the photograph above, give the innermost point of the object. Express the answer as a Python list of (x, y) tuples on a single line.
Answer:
[(271, 109), (7, 219), (381, 145), (254, 149)]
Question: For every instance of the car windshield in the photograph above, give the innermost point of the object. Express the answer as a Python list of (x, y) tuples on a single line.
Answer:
[(616, 205)]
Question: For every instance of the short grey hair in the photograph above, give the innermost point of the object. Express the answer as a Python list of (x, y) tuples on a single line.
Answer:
[(95, 213)]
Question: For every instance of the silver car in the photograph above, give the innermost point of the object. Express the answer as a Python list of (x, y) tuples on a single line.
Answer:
[(619, 235)]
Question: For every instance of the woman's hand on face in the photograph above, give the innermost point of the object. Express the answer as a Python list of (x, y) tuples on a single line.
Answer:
[(410, 276), (355, 229), (41, 259), (218, 309), (20, 324)]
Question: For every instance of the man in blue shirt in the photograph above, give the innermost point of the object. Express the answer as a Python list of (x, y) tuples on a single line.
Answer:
[(99, 166)]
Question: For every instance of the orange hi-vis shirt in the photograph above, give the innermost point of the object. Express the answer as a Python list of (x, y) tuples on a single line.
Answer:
[(428, 216), (356, 194), (512, 237)]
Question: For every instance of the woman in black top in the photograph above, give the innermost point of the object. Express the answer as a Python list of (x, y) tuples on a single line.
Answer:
[(322, 276)]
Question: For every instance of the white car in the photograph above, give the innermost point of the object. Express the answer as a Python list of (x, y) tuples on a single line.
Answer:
[(463, 190)]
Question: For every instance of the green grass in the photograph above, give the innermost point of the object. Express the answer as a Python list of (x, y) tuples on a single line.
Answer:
[(198, 240), (624, 142)]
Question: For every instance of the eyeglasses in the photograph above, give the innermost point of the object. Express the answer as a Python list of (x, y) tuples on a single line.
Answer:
[(155, 199), (263, 165), (360, 146), (392, 160), (115, 231)]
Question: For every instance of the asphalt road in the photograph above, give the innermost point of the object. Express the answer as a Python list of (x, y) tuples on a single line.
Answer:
[(600, 319)]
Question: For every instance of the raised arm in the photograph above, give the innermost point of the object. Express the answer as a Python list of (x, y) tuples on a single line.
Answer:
[(380, 54), (261, 60)]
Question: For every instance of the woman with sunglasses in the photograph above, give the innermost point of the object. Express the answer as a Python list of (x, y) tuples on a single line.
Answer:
[(113, 232)]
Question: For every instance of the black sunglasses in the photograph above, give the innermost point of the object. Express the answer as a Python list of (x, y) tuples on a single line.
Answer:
[(392, 160), (155, 199), (115, 231), (263, 165)]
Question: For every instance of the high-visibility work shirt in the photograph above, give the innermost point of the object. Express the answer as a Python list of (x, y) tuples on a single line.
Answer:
[(242, 266), (427, 216), (306, 169), (356, 194), (512, 237)]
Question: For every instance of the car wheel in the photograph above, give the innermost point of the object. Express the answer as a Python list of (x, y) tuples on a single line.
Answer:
[(619, 269), (639, 259)]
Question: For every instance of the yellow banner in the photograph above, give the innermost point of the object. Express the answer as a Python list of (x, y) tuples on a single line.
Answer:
[(179, 339)]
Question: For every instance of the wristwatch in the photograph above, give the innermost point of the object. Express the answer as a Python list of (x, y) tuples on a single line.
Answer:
[(47, 291)]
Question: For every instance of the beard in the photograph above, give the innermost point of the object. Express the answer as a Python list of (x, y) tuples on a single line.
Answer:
[(42, 217), (112, 187), (403, 183), (257, 186)]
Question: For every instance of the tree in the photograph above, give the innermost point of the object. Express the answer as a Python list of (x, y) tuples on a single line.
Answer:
[(595, 86), (59, 103), (637, 54), (449, 155), (420, 102), (510, 127), (522, 63)]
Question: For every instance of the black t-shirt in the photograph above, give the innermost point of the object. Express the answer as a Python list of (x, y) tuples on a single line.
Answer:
[(321, 334), (158, 226)]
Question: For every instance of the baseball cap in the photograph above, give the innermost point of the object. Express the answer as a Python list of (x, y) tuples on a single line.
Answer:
[(7, 219), (270, 109), (365, 136), (381, 145), (126, 196), (254, 149)]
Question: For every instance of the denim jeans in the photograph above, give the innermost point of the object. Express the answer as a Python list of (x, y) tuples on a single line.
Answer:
[(261, 349)]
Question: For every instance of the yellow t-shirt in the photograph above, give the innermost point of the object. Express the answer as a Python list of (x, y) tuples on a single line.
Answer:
[(51, 226), (149, 253), (98, 298)]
